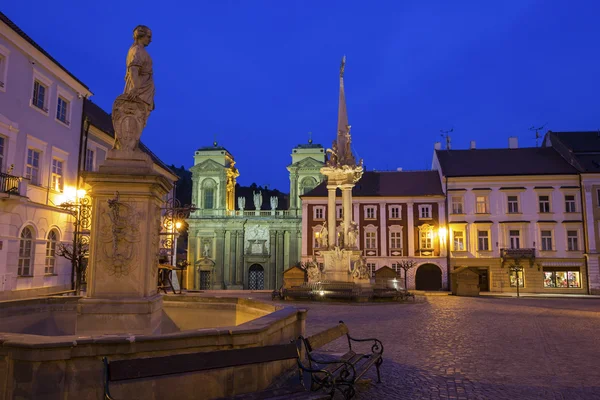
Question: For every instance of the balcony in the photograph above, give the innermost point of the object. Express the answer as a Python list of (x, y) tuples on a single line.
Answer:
[(200, 213), (9, 183)]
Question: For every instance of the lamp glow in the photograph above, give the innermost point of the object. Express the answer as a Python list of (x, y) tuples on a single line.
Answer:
[(177, 225), (442, 232)]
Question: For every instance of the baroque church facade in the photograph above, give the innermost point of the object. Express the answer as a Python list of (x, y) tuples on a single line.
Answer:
[(245, 240)]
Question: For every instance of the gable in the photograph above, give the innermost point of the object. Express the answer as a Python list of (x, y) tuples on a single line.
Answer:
[(207, 166), (307, 163)]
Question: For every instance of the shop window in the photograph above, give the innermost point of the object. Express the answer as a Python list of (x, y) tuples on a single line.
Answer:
[(562, 278), (513, 278)]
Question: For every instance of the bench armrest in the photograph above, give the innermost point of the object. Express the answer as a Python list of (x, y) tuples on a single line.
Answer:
[(376, 348), (107, 395), (327, 382)]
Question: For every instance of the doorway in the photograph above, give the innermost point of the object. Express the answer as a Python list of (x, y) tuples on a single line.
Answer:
[(204, 280), (484, 280), (256, 277), (428, 277)]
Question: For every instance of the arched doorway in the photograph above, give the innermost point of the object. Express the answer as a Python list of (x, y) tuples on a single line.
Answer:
[(428, 277), (256, 277)]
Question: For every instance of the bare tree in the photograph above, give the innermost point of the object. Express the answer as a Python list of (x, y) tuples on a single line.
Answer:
[(406, 265), (76, 252)]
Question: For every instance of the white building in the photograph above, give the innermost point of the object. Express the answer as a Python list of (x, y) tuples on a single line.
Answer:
[(40, 126)]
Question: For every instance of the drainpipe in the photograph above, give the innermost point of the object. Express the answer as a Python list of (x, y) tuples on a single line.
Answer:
[(585, 234), (448, 244)]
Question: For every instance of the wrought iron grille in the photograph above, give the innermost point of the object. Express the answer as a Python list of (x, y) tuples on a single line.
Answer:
[(256, 278)]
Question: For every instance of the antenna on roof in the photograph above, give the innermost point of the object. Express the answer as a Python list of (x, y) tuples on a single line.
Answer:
[(445, 135), (309, 137), (537, 133)]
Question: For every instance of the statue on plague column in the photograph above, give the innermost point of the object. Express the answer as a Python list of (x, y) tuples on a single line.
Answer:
[(132, 108)]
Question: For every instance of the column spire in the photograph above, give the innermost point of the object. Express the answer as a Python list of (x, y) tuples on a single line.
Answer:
[(343, 140)]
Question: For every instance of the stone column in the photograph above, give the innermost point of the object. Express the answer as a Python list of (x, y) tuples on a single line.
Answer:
[(219, 259), (410, 231), (294, 191), (270, 279), (233, 256), (331, 214), (279, 264), (226, 259), (239, 273), (346, 211)]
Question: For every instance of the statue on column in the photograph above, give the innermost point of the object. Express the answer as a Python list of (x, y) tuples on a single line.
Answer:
[(274, 202), (241, 203), (352, 235), (340, 234), (257, 197), (132, 108), (324, 236)]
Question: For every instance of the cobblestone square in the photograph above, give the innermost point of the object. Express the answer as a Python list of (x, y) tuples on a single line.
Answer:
[(448, 347)]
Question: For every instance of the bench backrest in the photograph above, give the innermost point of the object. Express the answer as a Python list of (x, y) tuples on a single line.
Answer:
[(119, 370), (329, 335)]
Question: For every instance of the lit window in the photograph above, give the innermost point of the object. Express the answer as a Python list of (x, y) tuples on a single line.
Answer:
[(395, 240), (89, 160), (572, 241), (459, 240), (483, 240), (32, 171), (426, 237), (371, 240), (513, 278), (25, 253), (57, 175), (513, 204), (370, 212), (62, 110), (544, 202), (570, 204), (457, 205), (546, 240), (556, 278), (481, 204), (39, 95), (51, 252), (514, 237), (425, 211)]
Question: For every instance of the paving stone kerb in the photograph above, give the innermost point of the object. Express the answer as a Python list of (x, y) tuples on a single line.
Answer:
[(450, 347), (70, 367)]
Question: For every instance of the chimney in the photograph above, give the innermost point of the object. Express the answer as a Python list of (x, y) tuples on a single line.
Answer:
[(472, 146), (437, 145), (513, 142), (399, 169)]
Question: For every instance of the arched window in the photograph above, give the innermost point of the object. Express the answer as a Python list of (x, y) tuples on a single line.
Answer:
[(51, 251), (208, 194), (307, 184), (25, 253)]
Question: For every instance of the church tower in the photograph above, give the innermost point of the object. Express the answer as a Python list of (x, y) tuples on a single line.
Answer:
[(305, 175)]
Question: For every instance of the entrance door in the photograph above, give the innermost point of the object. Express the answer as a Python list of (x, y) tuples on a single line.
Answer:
[(484, 283), (428, 277), (204, 280), (256, 277)]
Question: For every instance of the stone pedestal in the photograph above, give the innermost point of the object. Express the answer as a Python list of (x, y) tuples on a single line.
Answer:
[(339, 266), (127, 195)]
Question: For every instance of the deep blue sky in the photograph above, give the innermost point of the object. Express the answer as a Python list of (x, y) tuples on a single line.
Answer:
[(262, 74)]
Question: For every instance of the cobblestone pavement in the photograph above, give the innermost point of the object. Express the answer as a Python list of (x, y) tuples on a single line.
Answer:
[(447, 347)]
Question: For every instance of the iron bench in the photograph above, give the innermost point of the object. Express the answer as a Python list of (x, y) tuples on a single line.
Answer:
[(155, 367), (346, 369)]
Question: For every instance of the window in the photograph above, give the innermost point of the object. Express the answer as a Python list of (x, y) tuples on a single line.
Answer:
[(372, 267), (457, 205), (2, 70), (25, 244), (208, 188), (458, 240), (307, 184), (371, 240), (570, 203), (62, 110), (32, 171), (89, 160), (483, 240), (426, 237), (2, 145), (561, 278), (395, 240), (544, 202), (370, 212), (513, 278), (395, 212), (513, 204), (425, 211), (546, 240), (317, 239), (319, 213), (514, 237), (396, 268), (339, 212), (39, 95), (57, 175), (572, 241), (51, 252), (481, 204)]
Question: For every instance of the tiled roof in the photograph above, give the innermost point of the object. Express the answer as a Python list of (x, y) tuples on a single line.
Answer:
[(20, 32), (503, 162), (103, 121), (391, 184), (582, 149), (580, 142)]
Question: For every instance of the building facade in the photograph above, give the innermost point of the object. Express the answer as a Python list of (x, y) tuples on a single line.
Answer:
[(244, 241), (515, 203), (40, 126), (400, 217)]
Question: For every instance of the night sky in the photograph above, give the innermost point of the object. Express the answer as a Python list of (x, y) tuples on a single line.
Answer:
[(260, 75)]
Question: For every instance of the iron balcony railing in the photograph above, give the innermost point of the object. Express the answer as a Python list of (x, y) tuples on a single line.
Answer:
[(9, 183)]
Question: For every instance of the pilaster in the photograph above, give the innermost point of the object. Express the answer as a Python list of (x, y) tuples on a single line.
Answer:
[(383, 229), (219, 259), (410, 221)]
